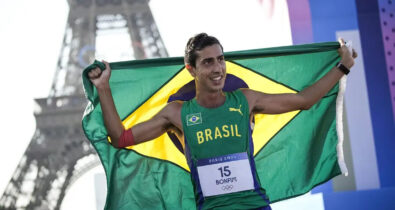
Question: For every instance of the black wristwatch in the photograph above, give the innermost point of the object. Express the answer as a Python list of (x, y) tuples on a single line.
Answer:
[(342, 68)]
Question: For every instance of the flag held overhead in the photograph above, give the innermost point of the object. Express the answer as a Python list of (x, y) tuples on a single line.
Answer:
[(294, 151)]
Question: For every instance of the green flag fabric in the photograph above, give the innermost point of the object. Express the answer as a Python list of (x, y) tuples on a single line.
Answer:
[(294, 151)]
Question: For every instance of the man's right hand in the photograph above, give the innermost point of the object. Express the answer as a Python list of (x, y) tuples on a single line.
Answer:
[(100, 78)]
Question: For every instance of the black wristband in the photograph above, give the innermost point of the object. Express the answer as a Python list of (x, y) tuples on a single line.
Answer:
[(342, 68)]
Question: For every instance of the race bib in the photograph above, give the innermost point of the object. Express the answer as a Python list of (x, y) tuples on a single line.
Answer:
[(225, 174)]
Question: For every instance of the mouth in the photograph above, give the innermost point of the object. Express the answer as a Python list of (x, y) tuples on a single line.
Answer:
[(216, 78)]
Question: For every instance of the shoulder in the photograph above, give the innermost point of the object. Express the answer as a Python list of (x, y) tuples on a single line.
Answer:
[(251, 95), (254, 98), (246, 91), (172, 112), (173, 107)]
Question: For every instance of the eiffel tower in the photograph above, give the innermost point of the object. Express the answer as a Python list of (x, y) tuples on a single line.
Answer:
[(58, 153)]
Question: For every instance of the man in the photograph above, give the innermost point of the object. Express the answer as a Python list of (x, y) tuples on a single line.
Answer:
[(214, 126)]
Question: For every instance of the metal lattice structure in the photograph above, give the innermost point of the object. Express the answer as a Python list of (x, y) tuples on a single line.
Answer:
[(58, 153)]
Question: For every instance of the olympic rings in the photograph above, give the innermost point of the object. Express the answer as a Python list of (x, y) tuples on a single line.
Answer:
[(227, 187)]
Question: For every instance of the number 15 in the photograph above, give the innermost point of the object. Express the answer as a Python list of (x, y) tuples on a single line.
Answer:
[(224, 171)]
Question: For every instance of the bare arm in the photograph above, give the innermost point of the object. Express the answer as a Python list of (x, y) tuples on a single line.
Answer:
[(169, 118), (160, 123), (281, 103)]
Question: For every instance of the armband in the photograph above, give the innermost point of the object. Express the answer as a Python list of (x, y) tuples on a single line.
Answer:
[(126, 139)]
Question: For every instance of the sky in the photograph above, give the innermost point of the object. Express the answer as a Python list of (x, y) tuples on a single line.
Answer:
[(31, 37), (30, 41)]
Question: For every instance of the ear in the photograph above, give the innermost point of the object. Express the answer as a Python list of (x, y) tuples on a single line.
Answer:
[(190, 69)]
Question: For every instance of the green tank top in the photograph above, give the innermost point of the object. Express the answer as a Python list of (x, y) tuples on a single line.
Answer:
[(219, 151)]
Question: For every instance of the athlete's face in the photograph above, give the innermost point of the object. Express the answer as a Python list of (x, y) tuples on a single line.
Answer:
[(210, 70)]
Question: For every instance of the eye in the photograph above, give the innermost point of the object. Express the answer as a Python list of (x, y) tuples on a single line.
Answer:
[(207, 61)]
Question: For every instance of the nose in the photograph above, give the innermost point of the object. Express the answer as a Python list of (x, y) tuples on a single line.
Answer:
[(219, 66)]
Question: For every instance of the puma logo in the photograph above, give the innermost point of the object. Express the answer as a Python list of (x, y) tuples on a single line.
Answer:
[(236, 110)]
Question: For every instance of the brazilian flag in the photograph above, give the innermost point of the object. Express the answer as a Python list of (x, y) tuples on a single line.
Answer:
[(294, 151)]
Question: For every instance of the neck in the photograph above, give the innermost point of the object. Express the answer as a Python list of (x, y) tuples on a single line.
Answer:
[(210, 99)]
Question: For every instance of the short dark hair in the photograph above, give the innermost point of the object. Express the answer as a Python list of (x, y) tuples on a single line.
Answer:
[(196, 43)]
